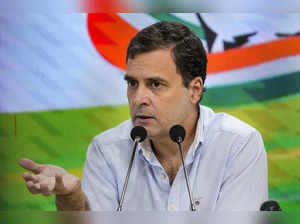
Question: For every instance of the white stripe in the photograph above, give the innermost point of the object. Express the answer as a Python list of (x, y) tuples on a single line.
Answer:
[(49, 63), (138, 20), (257, 72)]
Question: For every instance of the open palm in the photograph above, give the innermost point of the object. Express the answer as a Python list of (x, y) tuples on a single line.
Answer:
[(48, 179)]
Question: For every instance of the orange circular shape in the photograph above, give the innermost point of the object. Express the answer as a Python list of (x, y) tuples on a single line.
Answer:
[(110, 35)]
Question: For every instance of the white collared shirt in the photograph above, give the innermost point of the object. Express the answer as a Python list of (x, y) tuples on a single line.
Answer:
[(226, 164)]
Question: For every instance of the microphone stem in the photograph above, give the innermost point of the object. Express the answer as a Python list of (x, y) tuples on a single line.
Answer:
[(136, 141), (186, 176)]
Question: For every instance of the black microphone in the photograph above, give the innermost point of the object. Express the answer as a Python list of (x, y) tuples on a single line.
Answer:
[(270, 206), (177, 134), (138, 134)]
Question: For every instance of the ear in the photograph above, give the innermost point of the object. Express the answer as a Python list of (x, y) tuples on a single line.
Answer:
[(196, 89)]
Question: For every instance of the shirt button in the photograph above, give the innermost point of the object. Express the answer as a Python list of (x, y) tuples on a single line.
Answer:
[(163, 176), (172, 207), (197, 202)]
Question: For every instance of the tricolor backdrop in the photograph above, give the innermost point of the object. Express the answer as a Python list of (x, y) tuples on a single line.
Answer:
[(62, 83)]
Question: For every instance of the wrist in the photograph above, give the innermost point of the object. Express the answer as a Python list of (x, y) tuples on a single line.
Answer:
[(74, 201)]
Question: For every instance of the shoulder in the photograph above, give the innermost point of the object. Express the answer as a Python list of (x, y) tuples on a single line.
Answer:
[(225, 123), (115, 134), (230, 133), (230, 137), (112, 140)]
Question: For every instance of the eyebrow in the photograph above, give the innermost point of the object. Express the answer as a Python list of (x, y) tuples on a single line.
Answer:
[(128, 77), (155, 78)]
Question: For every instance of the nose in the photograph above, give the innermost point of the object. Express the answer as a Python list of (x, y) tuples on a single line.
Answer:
[(141, 96)]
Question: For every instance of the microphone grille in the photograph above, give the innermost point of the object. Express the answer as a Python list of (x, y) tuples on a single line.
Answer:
[(270, 206), (138, 131), (177, 133)]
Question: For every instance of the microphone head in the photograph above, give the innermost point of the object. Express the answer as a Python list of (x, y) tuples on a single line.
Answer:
[(270, 206), (177, 133), (138, 132)]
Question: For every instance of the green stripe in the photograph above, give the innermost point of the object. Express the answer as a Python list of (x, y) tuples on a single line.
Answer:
[(290, 205), (169, 17), (44, 146), (252, 92), (284, 192), (277, 120), (46, 124)]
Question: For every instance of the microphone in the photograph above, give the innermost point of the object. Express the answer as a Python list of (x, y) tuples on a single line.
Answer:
[(270, 206), (177, 134), (138, 134)]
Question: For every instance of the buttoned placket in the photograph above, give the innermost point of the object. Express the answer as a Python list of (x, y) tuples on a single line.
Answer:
[(174, 203), (173, 199)]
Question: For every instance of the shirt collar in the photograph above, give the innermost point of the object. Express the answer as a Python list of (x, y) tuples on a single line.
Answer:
[(146, 148), (198, 139)]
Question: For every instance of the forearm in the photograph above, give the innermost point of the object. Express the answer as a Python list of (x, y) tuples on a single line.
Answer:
[(72, 202)]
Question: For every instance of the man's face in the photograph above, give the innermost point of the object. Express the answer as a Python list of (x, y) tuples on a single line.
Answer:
[(156, 95)]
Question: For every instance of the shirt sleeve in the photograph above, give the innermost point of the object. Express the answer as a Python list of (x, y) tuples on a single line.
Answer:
[(245, 184), (98, 181)]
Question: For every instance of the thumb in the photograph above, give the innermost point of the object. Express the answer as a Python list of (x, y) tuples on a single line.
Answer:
[(59, 179), (59, 184)]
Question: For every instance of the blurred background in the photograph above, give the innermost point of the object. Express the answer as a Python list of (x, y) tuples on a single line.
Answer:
[(62, 83)]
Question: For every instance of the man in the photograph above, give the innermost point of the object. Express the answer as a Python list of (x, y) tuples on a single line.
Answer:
[(225, 158)]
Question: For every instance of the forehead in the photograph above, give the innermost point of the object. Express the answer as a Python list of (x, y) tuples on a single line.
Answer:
[(157, 63)]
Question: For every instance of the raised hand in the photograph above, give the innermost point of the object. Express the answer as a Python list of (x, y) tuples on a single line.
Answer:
[(48, 179)]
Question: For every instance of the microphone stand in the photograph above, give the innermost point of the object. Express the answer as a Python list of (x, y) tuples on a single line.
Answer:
[(185, 174), (136, 141)]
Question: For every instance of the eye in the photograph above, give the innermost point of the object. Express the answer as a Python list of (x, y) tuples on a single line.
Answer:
[(132, 83), (155, 84)]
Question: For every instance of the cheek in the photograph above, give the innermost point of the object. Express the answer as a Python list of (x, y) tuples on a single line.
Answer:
[(177, 107), (130, 97), (130, 103), (168, 110)]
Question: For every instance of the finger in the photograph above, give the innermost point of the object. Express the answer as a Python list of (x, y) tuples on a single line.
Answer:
[(33, 188), (30, 165), (59, 181), (29, 177), (45, 189), (59, 184), (34, 178)]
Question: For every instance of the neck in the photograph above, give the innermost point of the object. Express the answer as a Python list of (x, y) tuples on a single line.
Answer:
[(165, 149)]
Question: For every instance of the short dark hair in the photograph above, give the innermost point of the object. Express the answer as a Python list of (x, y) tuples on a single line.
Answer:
[(186, 48)]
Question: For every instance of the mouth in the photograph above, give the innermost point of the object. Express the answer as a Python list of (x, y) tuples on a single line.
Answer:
[(141, 118)]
